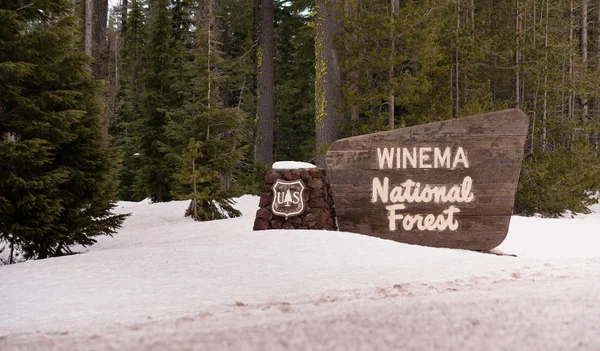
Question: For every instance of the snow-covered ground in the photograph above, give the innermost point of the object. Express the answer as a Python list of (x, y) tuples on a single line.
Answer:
[(223, 283)]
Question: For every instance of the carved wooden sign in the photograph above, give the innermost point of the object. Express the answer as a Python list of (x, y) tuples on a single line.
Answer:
[(445, 184)]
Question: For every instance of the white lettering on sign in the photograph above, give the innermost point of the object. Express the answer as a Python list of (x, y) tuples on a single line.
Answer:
[(423, 222), (422, 157), (410, 191)]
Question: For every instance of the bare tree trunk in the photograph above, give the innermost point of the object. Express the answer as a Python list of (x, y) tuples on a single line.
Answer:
[(12, 250), (99, 30), (584, 54), (596, 112), (123, 18), (517, 53), (352, 11), (221, 34), (597, 66), (452, 91), (265, 108), (571, 99), (472, 13), (537, 84), (545, 108), (328, 79), (395, 8), (117, 52), (87, 44), (457, 102), (195, 192), (209, 70)]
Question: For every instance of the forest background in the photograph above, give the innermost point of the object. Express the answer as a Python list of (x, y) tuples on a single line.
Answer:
[(195, 99)]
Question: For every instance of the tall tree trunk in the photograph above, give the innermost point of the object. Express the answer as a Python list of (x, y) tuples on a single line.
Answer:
[(209, 70), (87, 42), (597, 48), (472, 18), (222, 38), (123, 18), (12, 251), (571, 98), (517, 53), (351, 9), (395, 8), (537, 83), (194, 190), (265, 108), (584, 54), (545, 107), (456, 58), (596, 112), (328, 79), (99, 29)]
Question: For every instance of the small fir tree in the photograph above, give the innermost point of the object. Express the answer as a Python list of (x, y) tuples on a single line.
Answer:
[(204, 136), (128, 124), (207, 202), (157, 97), (56, 181)]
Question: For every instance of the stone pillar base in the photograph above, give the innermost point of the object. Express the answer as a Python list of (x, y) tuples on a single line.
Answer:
[(314, 201)]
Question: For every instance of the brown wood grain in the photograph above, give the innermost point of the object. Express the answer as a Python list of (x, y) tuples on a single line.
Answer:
[(474, 232), (510, 122), (477, 156), (493, 144)]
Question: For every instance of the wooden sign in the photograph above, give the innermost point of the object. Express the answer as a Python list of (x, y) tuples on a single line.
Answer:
[(446, 184)]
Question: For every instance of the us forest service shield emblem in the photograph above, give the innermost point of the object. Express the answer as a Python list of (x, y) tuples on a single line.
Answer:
[(288, 198)]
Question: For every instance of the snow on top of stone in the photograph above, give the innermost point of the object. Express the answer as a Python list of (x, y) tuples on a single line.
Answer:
[(292, 165)]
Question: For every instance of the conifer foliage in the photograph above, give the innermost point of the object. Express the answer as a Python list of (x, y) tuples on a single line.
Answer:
[(56, 181), (183, 122), (411, 62)]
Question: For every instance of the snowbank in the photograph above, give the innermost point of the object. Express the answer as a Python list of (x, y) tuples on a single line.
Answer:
[(162, 265)]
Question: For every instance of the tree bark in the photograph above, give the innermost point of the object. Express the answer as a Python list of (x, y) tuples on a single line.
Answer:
[(123, 18), (221, 34), (99, 30), (456, 58), (584, 54), (209, 70), (265, 108), (12, 251), (596, 111), (351, 9), (395, 8), (517, 53), (328, 79), (87, 42), (571, 97), (545, 108)]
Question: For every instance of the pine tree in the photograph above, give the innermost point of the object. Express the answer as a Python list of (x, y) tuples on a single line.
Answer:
[(561, 167), (158, 60), (294, 77), (406, 77), (207, 200), (128, 124), (205, 138), (56, 181)]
